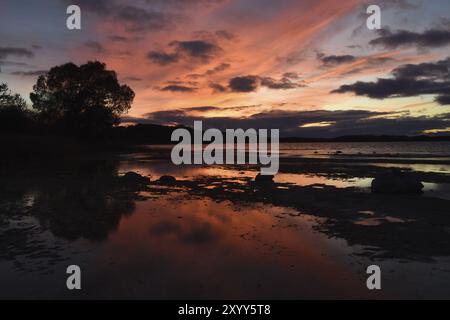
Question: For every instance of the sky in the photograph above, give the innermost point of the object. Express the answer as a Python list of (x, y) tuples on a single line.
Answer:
[(307, 67)]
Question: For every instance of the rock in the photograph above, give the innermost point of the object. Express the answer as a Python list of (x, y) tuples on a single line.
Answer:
[(397, 182), (264, 178), (135, 178), (167, 179)]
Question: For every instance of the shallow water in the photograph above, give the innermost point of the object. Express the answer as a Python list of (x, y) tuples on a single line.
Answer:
[(437, 149), (397, 149), (178, 244), (158, 168)]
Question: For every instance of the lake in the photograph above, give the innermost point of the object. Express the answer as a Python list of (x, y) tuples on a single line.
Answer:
[(214, 234)]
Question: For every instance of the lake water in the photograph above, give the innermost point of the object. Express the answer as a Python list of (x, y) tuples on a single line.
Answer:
[(311, 237), (424, 149)]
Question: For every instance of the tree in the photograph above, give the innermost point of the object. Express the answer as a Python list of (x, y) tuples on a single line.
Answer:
[(84, 100), (13, 110)]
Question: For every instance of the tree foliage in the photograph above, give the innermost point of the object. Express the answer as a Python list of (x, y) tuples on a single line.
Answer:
[(13, 110), (84, 100)]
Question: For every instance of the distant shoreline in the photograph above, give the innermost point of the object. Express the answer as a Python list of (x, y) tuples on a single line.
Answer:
[(369, 138), (160, 134)]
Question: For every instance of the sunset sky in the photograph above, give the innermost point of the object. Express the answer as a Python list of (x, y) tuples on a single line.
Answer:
[(308, 67)]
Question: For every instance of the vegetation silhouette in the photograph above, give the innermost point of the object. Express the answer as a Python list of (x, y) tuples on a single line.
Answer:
[(85, 100), (14, 116)]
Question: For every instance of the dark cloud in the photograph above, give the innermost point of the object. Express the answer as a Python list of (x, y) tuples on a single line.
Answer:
[(221, 67), (346, 122), (217, 87), (202, 108), (217, 36), (429, 70), (391, 88), (184, 115), (408, 80), (252, 83), (432, 38), (282, 84), (140, 20), (34, 73), (15, 52), (178, 88), (183, 83), (198, 49), (227, 35), (162, 58), (334, 60), (244, 84), (443, 99), (94, 46)]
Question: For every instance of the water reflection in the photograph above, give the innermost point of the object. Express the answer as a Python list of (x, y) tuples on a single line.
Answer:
[(213, 234), (42, 213), (341, 207), (202, 248)]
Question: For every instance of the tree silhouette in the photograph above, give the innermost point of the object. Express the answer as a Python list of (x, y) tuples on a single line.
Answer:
[(84, 100), (13, 110)]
